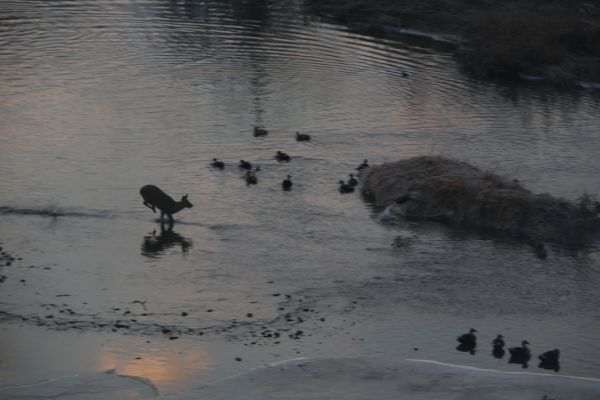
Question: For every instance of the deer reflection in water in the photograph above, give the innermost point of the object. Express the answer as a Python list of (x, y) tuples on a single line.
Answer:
[(154, 245)]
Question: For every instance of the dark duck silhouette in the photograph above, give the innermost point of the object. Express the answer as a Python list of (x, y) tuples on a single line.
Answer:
[(281, 156), (520, 355), (217, 164), (287, 183), (345, 188), (498, 344), (251, 178), (352, 181), (245, 165), (302, 137), (365, 164), (467, 342), (260, 131), (549, 360)]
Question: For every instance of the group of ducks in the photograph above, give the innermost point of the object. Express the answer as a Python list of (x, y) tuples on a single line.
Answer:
[(286, 184), (518, 355)]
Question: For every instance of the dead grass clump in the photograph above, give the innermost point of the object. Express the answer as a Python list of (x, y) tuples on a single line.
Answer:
[(451, 191)]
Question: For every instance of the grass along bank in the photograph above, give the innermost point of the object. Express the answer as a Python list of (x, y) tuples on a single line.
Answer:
[(557, 40)]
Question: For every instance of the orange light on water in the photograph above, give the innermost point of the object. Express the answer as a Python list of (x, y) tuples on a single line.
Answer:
[(163, 367)]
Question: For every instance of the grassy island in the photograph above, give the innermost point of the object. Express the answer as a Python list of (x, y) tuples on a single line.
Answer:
[(554, 40), (451, 191)]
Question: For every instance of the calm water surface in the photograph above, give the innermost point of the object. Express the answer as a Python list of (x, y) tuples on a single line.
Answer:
[(98, 98)]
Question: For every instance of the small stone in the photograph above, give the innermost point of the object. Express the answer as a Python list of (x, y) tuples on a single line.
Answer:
[(238, 359), (184, 314), (249, 315)]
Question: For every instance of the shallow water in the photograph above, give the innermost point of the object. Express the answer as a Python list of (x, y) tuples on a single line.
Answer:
[(99, 98)]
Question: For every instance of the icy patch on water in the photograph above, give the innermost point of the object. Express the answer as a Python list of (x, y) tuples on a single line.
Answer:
[(92, 386), (361, 378), (349, 378)]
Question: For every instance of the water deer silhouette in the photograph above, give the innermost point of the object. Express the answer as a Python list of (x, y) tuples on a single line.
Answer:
[(155, 198)]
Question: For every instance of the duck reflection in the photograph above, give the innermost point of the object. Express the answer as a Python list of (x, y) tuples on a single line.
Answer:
[(549, 360), (154, 245)]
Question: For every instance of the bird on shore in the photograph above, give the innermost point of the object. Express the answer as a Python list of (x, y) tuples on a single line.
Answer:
[(281, 156), (287, 183), (251, 178), (260, 131), (302, 137), (365, 164), (520, 355), (352, 181), (345, 188), (245, 164), (217, 164)]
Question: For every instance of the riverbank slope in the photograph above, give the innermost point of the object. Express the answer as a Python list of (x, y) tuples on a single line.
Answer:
[(557, 41)]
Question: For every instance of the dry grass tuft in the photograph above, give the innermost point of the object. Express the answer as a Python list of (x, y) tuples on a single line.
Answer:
[(451, 191)]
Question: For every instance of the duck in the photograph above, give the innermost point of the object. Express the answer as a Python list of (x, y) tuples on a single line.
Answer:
[(302, 137), (498, 350), (260, 131), (352, 181), (217, 164), (549, 360), (520, 355), (287, 183), (498, 342), (251, 179), (281, 156), (365, 164), (245, 164), (550, 356), (468, 339), (345, 188)]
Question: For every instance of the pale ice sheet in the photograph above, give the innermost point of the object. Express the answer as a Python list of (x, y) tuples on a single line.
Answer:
[(91, 386), (331, 378)]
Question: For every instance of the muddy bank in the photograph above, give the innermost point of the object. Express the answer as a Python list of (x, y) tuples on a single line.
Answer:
[(451, 191), (554, 41)]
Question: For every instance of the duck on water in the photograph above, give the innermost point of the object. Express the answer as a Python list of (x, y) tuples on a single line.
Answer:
[(467, 342), (520, 355)]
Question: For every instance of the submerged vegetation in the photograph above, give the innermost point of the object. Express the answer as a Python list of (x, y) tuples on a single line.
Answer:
[(557, 40), (446, 190)]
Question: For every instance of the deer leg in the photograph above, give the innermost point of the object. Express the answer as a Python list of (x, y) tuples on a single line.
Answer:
[(170, 218)]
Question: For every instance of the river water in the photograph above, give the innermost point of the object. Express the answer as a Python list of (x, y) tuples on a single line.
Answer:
[(98, 98)]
